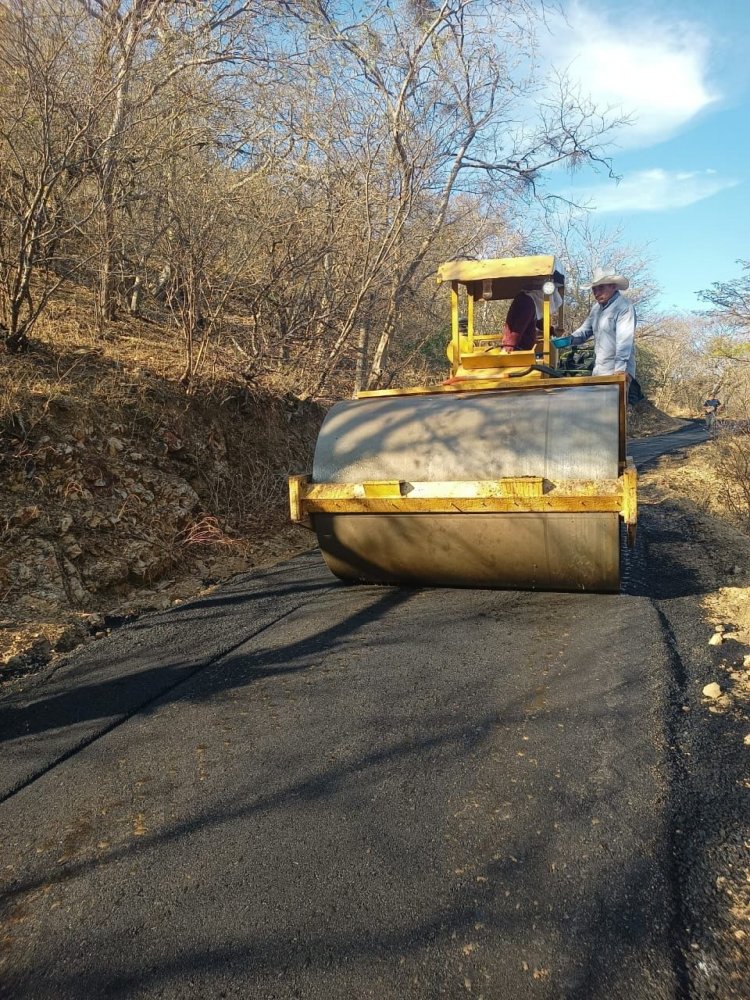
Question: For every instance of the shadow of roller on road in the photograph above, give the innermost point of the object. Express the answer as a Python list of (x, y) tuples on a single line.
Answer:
[(653, 568), (656, 568)]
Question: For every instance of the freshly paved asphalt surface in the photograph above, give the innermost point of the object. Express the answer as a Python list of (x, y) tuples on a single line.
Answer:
[(297, 788), (645, 450)]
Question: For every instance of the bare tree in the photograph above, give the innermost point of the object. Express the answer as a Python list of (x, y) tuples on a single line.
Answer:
[(45, 156), (207, 252), (450, 106), (675, 368), (144, 47), (301, 167), (731, 313)]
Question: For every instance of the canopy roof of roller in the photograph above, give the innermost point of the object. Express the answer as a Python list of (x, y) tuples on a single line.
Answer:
[(509, 275)]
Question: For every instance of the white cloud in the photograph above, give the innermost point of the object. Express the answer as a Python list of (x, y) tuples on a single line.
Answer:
[(655, 71), (652, 191)]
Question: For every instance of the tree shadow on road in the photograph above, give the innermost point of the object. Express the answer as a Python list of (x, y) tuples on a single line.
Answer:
[(546, 897), (128, 692)]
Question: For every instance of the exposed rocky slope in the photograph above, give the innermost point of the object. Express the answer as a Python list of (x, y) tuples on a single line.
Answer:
[(120, 493)]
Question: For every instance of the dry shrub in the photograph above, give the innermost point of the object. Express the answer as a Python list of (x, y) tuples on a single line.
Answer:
[(732, 457), (205, 530)]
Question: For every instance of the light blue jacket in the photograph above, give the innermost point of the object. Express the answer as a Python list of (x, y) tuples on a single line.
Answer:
[(613, 328)]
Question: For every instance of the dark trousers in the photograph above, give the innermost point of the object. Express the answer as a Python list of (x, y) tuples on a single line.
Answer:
[(635, 393)]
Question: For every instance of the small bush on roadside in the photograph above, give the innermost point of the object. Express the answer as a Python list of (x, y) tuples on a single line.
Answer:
[(732, 456)]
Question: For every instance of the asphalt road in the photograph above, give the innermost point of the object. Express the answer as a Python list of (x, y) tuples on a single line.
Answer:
[(645, 450), (297, 788)]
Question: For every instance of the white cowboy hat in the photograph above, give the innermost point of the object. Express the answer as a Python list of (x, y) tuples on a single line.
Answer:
[(606, 276)]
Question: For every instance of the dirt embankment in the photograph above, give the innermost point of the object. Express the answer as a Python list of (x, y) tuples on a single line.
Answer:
[(645, 420), (697, 511), (120, 493)]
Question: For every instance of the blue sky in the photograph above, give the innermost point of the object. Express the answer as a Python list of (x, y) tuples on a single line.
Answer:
[(681, 70)]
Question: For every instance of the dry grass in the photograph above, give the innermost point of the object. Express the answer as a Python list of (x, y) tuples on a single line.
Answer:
[(731, 455), (701, 482), (715, 476)]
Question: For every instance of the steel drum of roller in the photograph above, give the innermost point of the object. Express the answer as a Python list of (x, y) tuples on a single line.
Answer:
[(559, 433)]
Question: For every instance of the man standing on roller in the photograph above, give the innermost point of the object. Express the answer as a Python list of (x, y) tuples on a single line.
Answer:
[(611, 323)]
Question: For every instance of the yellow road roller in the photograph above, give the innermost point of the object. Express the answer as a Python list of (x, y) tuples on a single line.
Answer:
[(512, 473)]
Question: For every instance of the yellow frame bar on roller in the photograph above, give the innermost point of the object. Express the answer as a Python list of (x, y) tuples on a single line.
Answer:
[(467, 383), (520, 494)]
